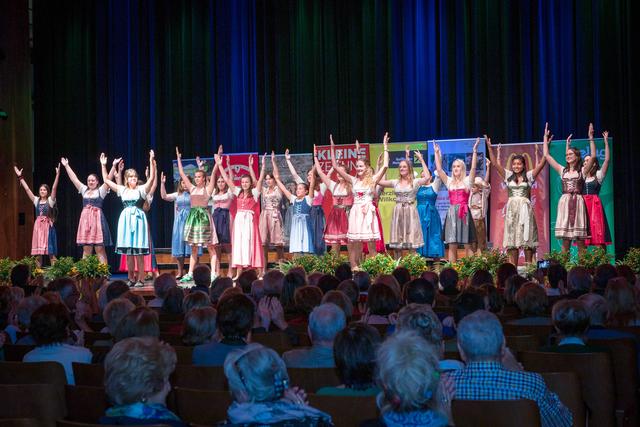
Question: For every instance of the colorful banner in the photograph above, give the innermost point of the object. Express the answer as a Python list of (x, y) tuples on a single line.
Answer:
[(557, 150), (539, 197), (239, 166)]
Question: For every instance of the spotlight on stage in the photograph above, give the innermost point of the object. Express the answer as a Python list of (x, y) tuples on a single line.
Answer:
[(3, 114)]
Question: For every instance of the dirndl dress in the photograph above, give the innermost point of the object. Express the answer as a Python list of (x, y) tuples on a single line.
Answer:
[(93, 228), (44, 240), (572, 221), (316, 216), (199, 229), (430, 220), (246, 249), (270, 218), (301, 226), (133, 229), (338, 220), (363, 218), (222, 217), (458, 225), (406, 232), (182, 202), (598, 224), (520, 227)]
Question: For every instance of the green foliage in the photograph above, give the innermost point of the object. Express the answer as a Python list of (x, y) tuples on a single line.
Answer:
[(414, 263), (328, 262), (558, 257), (379, 264), (487, 260), (91, 268), (6, 264), (61, 268), (632, 259), (590, 259)]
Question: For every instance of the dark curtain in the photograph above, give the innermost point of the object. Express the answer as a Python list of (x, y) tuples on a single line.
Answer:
[(125, 76)]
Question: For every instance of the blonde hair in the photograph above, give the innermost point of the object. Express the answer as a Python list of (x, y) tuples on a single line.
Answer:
[(463, 174), (136, 368), (409, 175)]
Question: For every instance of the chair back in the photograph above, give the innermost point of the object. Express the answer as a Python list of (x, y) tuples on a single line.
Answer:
[(567, 386), (15, 353), (495, 413), (19, 422), (44, 402), (517, 343), (311, 379), (33, 373), (91, 375), (184, 354), (85, 404), (596, 379), (541, 331), (346, 411), (66, 423), (171, 338), (277, 340), (204, 407), (91, 337), (199, 377)]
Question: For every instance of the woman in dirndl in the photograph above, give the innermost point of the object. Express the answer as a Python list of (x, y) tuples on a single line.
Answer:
[(593, 178), (181, 205)]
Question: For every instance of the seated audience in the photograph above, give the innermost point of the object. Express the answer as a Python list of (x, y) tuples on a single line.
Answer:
[(627, 272), (341, 300), (195, 300), (325, 321), (533, 302), (512, 285), (363, 280), (20, 277), (68, 290), (201, 279), (305, 300), (571, 322), (8, 331), (621, 303), (354, 351), (140, 322), (257, 290), (419, 291), (272, 281), (136, 382), (135, 299), (408, 376), (199, 326), (314, 278), (557, 277), (382, 305), (350, 289), (234, 322), (25, 310), (390, 281), (601, 277), (218, 286), (245, 280), (290, 283), (259, 384), (503, 272), (172, 303), (596, 307), (449, 282), (487, 376), (161, 285), (113, 314), (579, 282), (343, 272), (480, 277), (50, 330), (493, 298), (328, 282), (116, 289), (402, 275)]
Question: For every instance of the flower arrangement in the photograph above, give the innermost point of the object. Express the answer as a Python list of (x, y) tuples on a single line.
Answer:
[(415, 263), (6, 264), (487, 260), (632, 259), (590, 259), (61, 268), (91, 268), (328, 262), (379, 264)]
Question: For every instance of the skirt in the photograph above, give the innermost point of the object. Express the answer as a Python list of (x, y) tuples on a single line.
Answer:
[(363, 223), (406, 232), (271, 227), (199, 229), (93, 228), (244, 252), (431, 231), (44, 240), (179, 248), (301, 239), (598, 225), (133, 232), (572, 221), (222, 223), (286, 230), (520, 228), (459, 230), (316, 216), (337, 226)]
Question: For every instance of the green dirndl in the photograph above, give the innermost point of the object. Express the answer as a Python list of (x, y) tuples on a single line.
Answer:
[(198, 228)]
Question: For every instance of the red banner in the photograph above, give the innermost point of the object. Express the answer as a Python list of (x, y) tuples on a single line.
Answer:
[(539, 197)]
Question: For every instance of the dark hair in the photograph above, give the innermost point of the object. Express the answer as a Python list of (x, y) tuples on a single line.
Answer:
[(578, 278), (503, 272), (328, 283), (163, 283), (511, 286), (570, 317), (245, 280), (431, 277), (314, 278), (466, 303), (173, 301), (481, 277), (20, 275), (524, 168), (578, 155), (307, 298), (202, 275), (235, 316), (601, 276), (495, 299), (290, 283), (532, 299), (272, 281), (627, 272), (6, 304), (401, 274), (363, 280), (382, 300), (219, 285), (354, 350), (343, 272), (449, 278), (555, 274), (350, 289), (419, 291), (140, 322), (50, 324), (116, 289)]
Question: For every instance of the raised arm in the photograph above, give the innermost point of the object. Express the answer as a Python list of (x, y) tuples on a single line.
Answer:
[(262, 172), (592, 148), (276, 175), (292, 170), (545, 150), (252, 174), (229, 168), (211, 185), (24, 184), (474, 161), (540, 162), (185, 179), (223, 173), (56, 181), (425, 168), (150, 185), (385, 160), (495, 161), (437, 158), (341, 171), (113, 171), (487, 171), (607, 154), (72, 175), (323, 176), (105, 176), (163, 190), (119, 172)]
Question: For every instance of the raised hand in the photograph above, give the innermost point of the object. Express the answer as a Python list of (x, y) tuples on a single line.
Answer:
[(315, 151), (228, 161), (220, 150), (488, 162), (58, 169), (547, 133), (116, 162), (487, 140), (287, 156), (178, 154), (163, 178), (217, 158), (199, 163), (103, 159), (120, 166), (386, 139), (605, 135), (418, 154), (331, 139), (273, 156), (591, 131), (475, 146), (569, 140), (152, 155), (64, 161), (264, 159), (251, 161), (18, 171)]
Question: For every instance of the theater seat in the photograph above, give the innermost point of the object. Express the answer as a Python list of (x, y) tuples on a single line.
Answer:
[(86, 374), (199, 377), (567, 386), (204, 407), (85, 404), (346, 411), (33, 373), (44, 402), (311, 379), (495, 413)]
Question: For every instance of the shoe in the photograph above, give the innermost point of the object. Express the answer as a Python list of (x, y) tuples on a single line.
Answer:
[(138, 285), (179, 277), (186, 278), (131, 283)]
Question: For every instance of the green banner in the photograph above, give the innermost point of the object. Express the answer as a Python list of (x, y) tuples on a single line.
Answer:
[(557, 150)]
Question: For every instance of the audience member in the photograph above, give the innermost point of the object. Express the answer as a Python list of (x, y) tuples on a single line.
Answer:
[(24, 311), (402, 275), (449, 282), (314, 278), (305, 300), (201, 278), (245, 280), (161, 285), (601, 277), (135, 299), (341, 300), (382, 305), (596, 307), (467, 302), (328, 282), (621, 303), (290, 283), (579, 282), (532, 301), (480, 277), (350, 289), (503, 272), (343, 272), (115, 289), (390, 281), (140, 322), (20, 277), (571, 322), (512, 285), (272, 281), (199, 326), (493, 298), (195, 300), (363, 280), (419, 291), (557, 276), (172, 303), (219, 285), (114, 312), (627, 272), (257, 290)]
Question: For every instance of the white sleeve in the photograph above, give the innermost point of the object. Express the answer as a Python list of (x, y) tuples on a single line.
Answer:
[(529, 176), (436, 184), (35, 201), (299, 180), (52, 202), (309, 199), (508, 173), (171, 197), (466, 182), (236, 191), (121, 189), (83, 189), (256, 194), (103, 191), (292, 199), (143, 193), (149, 199), (599, 176), (323, 188)]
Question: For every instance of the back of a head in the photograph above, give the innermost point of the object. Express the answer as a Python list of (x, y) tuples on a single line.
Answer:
[(194, 300), (199, 325), (300, 271), (219, 285), (136, 368), (307, 298), (328, 282), (115, 289), (135, 299), (570, 318), (421, 319), (257, 290), (343, 272), (555, 274), (341, 300), (382, 300), (354, 351), (67, 287), (503, 272), (512, 285), (26, 308), (245, 280), (621, 301), (20, 275), (255, 374), (390, 281), (50, 324), (431, 277), (272, 281), (325, 321), (202, 275), (627, 272), (235, 316), (314, 278), (596, 306), (290, 283), (173, 301), (115, 311), (466, 303), (407, 371), (480, 277), (532, 299), (140, 322), (493, 297), (448, 278), (162, 284), (602, 275), (402, 275), (480, 336), (578, 279), (350, 289), (419, 291), (363, 280)]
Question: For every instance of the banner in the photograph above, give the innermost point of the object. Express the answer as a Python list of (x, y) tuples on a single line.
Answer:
[(239, 166), (557, 150), (539, 197), (387, 199)]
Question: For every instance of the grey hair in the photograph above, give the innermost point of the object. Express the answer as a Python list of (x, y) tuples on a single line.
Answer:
[(253, 371), (325, 321), (26, 307), (480, 336), (422, 319), (596, 306), (115, 311)]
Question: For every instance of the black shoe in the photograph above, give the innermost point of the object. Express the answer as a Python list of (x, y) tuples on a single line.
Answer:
[(131, 283)]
